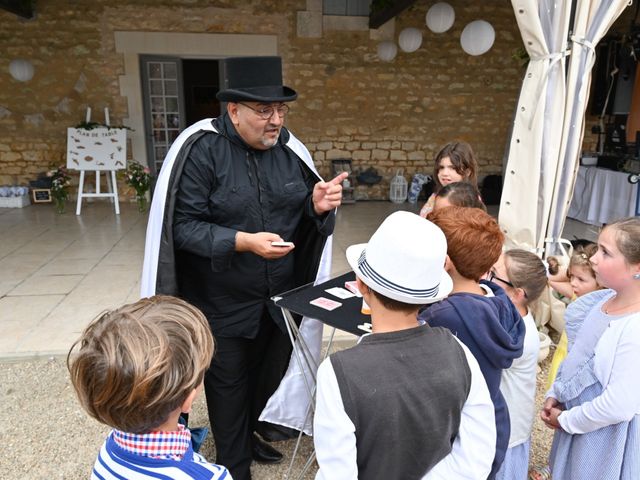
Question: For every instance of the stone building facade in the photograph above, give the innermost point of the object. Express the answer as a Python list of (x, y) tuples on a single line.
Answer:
[(390, 116)]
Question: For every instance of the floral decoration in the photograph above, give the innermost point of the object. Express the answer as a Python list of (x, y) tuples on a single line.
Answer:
[(60, 183), (138, 177)]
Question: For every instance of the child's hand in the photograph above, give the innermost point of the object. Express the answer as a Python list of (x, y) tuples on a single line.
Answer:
[(550, 412), (553, 418)]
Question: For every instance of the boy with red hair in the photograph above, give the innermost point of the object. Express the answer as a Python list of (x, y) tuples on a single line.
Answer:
[(479, 312)]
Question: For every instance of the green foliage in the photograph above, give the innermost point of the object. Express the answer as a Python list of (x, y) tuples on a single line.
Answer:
[(91, 125), (521, 55)]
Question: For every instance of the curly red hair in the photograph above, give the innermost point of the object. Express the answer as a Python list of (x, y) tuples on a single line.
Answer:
[(474, 239)]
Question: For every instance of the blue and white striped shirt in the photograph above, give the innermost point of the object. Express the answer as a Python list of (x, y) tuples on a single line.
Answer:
[(115, 463)]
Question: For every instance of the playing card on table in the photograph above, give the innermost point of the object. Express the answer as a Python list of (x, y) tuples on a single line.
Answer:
[(352, 286), (366, 327), (325, 303), (339, 292)]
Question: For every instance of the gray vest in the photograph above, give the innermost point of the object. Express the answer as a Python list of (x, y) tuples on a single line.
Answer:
[(404, 392)]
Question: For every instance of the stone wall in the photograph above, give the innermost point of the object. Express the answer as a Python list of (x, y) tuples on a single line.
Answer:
[(392, 116)]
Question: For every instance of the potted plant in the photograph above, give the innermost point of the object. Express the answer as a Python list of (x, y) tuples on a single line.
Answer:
[(138, 177), (60, 183)]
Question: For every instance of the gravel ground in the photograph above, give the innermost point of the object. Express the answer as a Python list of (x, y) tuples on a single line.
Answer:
[(44, 434)]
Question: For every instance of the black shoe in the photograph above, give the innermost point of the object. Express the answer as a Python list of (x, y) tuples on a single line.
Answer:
[(263, 452), (275, 433)]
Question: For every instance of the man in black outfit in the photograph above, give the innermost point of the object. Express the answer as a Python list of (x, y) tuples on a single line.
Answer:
[(237, 186)]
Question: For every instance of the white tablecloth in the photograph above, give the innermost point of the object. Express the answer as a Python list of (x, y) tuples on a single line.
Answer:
[(602, 195)]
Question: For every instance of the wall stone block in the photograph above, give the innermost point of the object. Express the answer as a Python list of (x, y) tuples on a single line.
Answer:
[(398, 155), (337, 154), (10, 156), (417, 155), (362, 155), (378, 154)]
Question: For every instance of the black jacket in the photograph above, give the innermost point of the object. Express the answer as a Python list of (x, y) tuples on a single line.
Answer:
[(219, 186)]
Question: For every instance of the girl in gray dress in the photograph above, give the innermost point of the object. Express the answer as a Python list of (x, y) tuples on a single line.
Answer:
[(594, 404)]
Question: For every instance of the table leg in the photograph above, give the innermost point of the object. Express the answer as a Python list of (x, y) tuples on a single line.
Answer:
[(300, 349)]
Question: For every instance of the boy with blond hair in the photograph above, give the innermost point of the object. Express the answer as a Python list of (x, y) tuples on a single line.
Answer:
[(136, 369)]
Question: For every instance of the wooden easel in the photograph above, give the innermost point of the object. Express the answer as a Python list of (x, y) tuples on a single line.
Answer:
[(112, 192), (89, 151)]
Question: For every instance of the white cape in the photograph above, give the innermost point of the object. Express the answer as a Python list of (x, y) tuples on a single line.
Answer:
[(288, 406)]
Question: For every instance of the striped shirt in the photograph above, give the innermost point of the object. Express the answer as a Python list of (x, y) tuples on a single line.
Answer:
[(158, 455)]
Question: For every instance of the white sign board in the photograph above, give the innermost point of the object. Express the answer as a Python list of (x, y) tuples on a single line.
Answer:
[(96, 149)]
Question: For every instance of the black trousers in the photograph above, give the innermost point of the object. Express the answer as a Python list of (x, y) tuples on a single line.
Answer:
[(242, 377)]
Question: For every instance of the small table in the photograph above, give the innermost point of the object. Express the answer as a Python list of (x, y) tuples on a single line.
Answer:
[(346, 317), (601, 196)]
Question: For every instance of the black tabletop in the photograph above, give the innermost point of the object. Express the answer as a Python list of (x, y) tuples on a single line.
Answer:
[(346, 317)]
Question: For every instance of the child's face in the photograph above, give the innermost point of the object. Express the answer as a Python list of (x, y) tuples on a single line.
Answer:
[(612, 269), (447, 173), (582, 281)]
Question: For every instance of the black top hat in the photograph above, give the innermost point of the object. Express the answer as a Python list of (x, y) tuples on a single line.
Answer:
[(255, 79)]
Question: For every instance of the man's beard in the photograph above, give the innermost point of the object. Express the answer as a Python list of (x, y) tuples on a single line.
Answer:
[(269, 142)]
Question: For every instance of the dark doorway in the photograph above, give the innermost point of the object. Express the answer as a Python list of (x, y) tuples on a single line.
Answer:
[(176, 93), (201, 83)]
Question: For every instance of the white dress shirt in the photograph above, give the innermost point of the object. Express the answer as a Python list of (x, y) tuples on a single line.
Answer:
[(471, 455)]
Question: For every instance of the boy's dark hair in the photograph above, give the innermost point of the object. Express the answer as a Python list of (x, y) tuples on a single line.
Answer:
[(137, 364), (462, 194), (394, 305)]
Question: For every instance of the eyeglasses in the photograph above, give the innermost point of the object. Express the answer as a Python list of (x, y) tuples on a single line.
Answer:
[(265, 113), (492, 276)]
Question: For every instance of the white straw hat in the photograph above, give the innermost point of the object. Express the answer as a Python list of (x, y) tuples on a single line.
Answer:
[(404, 260)]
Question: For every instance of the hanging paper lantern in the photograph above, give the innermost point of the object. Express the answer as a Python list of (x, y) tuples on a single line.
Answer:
[(387, 51), (21, 70), (440, 17), (410, 39), (477, 37)]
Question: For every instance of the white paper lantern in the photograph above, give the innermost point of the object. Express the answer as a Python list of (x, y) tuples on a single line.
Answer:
[(410, 39), (477, 37), (440, 17), (387, 51), (21, 70)]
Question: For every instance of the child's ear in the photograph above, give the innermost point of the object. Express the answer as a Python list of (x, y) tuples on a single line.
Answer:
[(520, 295), (448, 264), (364, 289), (187, 405)]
